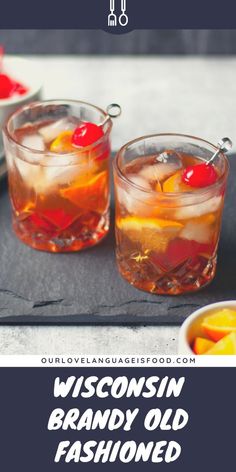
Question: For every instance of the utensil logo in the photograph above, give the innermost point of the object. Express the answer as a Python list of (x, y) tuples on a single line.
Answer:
[(113, 18)]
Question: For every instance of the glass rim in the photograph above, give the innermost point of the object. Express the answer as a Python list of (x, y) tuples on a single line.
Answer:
[(36, 104), (172, 195)]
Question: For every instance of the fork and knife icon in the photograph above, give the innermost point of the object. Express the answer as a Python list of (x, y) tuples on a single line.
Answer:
[(112, 18)]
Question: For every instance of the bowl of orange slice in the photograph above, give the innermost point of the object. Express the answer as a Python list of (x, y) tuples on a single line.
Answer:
[(211, 330)]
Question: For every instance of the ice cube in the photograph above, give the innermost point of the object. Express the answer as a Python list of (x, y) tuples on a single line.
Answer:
[(197, 231), (132, 198), (140, 181), (158, 172), (26, 163), (62, 175), (62, 170), (170, 157), (33, 141), (43, 179), (30, 173), (51, 131), (199, 209), (165, 164)]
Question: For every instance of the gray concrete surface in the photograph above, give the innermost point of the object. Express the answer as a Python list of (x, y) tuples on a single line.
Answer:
[(88, 340)]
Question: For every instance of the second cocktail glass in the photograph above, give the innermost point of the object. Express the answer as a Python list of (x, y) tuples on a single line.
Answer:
[(167, 232), (58, 174)]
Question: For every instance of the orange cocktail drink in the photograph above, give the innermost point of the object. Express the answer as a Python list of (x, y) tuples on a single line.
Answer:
[(58, 168), (169, 206)]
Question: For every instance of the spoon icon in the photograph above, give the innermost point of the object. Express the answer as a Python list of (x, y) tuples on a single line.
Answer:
[(123, 18)]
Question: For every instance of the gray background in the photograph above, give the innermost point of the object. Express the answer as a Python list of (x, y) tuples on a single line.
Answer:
[(136, 42)]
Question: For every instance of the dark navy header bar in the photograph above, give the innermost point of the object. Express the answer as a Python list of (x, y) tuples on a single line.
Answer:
[(118, 16)]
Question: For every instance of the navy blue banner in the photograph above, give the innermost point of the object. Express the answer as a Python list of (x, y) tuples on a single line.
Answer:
[(129, 14), (191, 426)]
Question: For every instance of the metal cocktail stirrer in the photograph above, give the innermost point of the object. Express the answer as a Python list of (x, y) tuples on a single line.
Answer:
[(111, 114), (224, 145)]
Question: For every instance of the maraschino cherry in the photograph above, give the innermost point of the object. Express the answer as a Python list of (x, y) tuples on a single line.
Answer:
[(6, 86), (20, 89), (86, 134), (203, 175)]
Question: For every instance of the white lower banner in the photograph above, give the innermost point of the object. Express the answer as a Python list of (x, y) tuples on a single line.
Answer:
[(117, 361)]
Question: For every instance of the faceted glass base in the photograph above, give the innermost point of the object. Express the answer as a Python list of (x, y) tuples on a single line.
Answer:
[(73, 238), (189, 276)]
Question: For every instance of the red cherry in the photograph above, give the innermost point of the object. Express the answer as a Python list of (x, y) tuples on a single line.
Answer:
[(86, 134), (6, 86), (201, 175)]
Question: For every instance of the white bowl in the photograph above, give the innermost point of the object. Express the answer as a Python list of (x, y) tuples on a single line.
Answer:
[(192, 325), (27, 72)]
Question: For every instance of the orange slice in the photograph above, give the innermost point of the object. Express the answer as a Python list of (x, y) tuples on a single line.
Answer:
[(202, 345), (174, 184), (153, 234), (220, 323), (207, 219), (90, 195), (63, 142), (225, 347)]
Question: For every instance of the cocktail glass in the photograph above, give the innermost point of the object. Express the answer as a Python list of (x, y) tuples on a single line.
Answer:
[(59, 193), (167, 233)]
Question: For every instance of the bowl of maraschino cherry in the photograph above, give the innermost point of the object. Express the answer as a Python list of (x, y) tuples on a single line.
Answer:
[(19, 84)]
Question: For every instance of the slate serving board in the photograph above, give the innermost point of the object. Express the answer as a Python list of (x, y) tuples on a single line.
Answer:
[(85, 288)]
